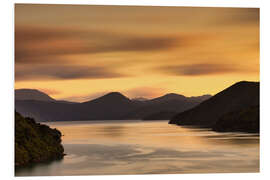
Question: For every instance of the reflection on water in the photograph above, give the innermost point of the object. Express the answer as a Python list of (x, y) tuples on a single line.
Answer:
[(112, 131), (136, 147)]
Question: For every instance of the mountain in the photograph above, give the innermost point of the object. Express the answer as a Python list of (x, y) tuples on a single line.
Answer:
[(32, 94), (108, 107), (35, 142), (162, 115), (235, 98), (200, 98), (36, 95), (178, 97), (44, 110), (162, 105), (139, 99), (244, 120), (66, 102), (168, 97), (110, 99), (112, 106)]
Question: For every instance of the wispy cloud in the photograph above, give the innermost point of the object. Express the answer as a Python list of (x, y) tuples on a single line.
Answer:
[(33, 43), (49, 91), (63, 72), (145, 92), (200, 69), (134, 49)]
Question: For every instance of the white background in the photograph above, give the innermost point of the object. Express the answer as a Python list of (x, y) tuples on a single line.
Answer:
[(7, 85)]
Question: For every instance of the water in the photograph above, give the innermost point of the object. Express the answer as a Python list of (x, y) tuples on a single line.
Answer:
[(137, 147)]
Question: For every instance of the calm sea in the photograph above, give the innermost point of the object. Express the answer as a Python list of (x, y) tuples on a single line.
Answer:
[(154, 147)]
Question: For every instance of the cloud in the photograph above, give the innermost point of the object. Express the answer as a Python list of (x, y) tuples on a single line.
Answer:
[(63, 72), (199, 69), (49, 91), (242, 16), (33, 43), (145, 92), (40, 51)]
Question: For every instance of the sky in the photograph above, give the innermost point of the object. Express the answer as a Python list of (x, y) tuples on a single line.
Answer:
[(80, 52)]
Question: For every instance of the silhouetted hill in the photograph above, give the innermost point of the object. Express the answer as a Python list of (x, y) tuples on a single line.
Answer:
[(239, 96), (200, 98), (139, 99), (35, 142), (31, 94), (44, 110), (108, 107), (178, 97), (163, 115), (110, 98), (245, 120), (66, 102), (167, 103), (168, 97), (112, 106), (36, 95)]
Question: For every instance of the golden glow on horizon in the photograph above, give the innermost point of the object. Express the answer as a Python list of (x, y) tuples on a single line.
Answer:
[(81, 52)]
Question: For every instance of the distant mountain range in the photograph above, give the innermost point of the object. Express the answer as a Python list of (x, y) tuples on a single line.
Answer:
[(112, 106), (32, 94), (139, 99), (233, 109), (164, 104), (162, 115)]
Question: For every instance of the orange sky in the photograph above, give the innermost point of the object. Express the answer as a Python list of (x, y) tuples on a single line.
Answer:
[(78, 52)]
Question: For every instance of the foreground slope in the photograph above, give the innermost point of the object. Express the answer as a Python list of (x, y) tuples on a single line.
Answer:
[(235, 98), (245, 120), (35, 142)]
